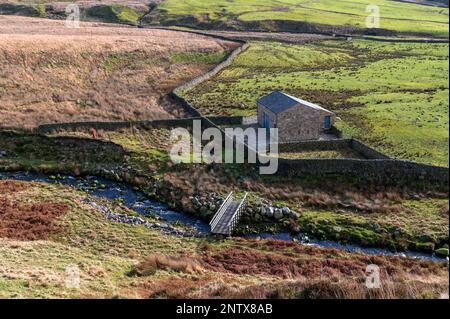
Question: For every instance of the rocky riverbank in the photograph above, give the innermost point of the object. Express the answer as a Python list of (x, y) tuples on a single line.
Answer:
[(136, 220), (258, 210)]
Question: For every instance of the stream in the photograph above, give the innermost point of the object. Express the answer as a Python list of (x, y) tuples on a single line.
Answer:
[(138, 202)]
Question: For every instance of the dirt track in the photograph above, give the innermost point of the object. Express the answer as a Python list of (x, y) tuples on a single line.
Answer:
[(262, 36)]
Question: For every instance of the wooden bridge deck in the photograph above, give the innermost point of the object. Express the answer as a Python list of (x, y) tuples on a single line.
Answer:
[(227, 217), (223, 226)]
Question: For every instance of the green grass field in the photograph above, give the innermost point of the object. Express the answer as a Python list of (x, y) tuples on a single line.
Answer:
[(378, 90), (395, 16), (109, 12), (370, 216)]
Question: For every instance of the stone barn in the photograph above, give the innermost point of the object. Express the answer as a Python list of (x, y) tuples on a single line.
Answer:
[(296, 119)]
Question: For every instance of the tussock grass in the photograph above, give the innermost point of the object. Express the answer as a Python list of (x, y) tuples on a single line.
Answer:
[(50, 73), (153, 263)]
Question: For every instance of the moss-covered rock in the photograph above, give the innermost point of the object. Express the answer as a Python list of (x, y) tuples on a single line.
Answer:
[(442, 252), (425, 247)]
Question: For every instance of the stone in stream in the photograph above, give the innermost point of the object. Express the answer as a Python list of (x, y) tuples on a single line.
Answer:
[(269, 211), (278, 214), (286, 211)]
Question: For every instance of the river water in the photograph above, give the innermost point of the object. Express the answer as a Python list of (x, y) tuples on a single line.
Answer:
[(137, 201)]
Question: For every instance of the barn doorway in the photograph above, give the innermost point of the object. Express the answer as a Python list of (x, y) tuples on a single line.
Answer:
[(327, 122), (266, 121)]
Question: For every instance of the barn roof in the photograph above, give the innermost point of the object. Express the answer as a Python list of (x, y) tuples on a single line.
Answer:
[(279, 102)]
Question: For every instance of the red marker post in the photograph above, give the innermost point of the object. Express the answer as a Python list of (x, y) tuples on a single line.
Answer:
[(94, 133)]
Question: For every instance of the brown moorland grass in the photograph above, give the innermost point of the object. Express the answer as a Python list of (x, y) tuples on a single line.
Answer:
[(61, 4), (310, 262), (24, 221), (50, 73), (207, 287), (7, 187), (327, 194), (277, 269), (106, 251), (164, 262)]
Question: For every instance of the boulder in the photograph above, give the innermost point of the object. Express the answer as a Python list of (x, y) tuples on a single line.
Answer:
[(441, 252), (269, 212), (286, 211), (337, 229), (294, 215), (196, 202), (377, 228), (278, 214), (203, 210)]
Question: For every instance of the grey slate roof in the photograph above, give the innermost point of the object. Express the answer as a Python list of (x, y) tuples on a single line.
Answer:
[(279, 102)]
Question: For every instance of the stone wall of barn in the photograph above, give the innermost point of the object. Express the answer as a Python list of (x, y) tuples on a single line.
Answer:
[(322, 119), (298, 123)]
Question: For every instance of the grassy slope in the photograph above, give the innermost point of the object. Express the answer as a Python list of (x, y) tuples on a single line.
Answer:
[(105, 11), (95, 72), (117, 13), (105, 252), (383, 217), (378, 89), (420, 18)]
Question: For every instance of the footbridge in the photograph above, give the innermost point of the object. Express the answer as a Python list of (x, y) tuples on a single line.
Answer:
[(227, 217)]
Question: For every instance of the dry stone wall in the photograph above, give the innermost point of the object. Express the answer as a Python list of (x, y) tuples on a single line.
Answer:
[(377, 168)]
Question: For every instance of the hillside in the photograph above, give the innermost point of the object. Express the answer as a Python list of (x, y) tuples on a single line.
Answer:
[(73, 251), (302, 15), (378, 89), (105, 210), (112, 11), (425, 18), (49, 73)]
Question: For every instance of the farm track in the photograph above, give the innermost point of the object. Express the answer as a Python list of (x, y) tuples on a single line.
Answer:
[(289, 37)]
